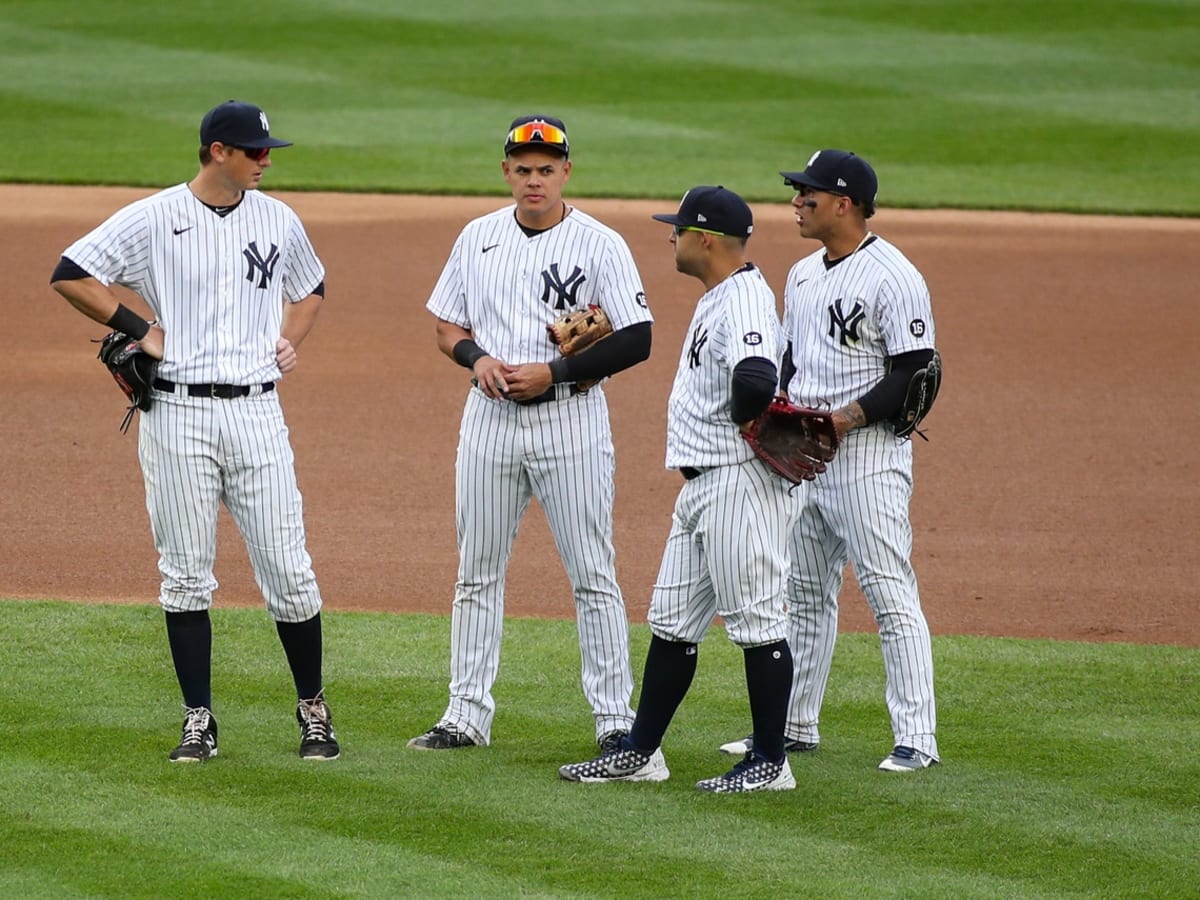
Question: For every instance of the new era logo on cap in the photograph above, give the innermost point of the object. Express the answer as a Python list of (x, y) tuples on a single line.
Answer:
[(712, 208)]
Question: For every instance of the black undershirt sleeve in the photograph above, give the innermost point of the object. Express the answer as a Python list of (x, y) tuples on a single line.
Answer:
[(751, 388), (623, 348), (885, 399), (788, 369), (67, 270)]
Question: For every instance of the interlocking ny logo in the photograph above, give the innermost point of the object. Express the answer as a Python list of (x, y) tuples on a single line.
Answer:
[(566, 290), (847, 325), (699, 339), (255, 263)]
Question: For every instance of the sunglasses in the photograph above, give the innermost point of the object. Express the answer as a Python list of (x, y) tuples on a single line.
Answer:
[(541, 132), (679, 229), (258, 154)]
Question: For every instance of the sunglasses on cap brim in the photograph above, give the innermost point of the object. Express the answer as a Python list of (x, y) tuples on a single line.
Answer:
[(537, 132)]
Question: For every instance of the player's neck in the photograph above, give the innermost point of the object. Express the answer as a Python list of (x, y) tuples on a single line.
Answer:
[(842, 245), (543, 222), (213, 191)]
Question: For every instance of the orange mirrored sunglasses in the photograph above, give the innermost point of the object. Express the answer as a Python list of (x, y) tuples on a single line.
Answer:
[(541, 132)]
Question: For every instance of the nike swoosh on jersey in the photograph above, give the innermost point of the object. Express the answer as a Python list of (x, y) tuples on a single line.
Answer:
[(179, 231), (491, 247)]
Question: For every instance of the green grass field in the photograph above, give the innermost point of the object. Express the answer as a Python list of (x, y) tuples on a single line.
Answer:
[(1081, 105), (1070, 770)]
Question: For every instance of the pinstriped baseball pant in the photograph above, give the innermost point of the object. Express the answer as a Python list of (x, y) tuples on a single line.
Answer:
[(197, 452), (857, 512), (560, 452)]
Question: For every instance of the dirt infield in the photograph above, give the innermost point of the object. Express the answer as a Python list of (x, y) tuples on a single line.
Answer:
[(1056, 496)]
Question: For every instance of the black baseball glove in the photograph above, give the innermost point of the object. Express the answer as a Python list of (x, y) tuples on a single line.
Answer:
[(132, 369), (922, 391)]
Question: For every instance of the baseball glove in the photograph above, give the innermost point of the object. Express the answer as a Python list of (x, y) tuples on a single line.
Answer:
[(132, 369), (922, 391), (793, 440), (577, 330)]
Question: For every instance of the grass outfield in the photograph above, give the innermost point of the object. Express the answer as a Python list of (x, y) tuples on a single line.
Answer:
[(1070, 769), (1079, 105)]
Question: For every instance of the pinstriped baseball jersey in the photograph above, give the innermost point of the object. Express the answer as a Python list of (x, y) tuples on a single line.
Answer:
[(736, 320), (216, 284), (505, 287), (845, 320)]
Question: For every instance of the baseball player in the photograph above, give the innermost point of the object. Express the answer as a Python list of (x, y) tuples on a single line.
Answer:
[(859, 325), (235, 286), (726, 553), (528, 430)]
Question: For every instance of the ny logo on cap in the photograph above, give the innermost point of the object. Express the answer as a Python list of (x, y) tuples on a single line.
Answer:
[(262, 117)]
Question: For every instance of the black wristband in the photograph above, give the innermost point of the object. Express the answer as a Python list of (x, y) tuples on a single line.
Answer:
[(467, 353), (126, 321)]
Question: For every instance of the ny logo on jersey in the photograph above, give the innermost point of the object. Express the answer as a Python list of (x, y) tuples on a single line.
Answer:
[(566, 290), (847, 325), (255, 263), (699, 339)]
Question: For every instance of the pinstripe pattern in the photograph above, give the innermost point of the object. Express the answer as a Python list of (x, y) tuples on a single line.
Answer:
[(726, 555), (196, 452), (220, 325), (217, 285), (857, 511), (726, 551), (560, 452)]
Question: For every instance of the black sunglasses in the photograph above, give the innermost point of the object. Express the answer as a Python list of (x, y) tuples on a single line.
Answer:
[(258, 154)]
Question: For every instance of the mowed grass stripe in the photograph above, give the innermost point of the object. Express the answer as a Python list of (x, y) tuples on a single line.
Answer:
[(1040, 794)]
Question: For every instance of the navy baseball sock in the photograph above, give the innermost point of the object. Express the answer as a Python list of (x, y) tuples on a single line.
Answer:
[(190, 637), (670, 667), (769, 684), (302, 644)]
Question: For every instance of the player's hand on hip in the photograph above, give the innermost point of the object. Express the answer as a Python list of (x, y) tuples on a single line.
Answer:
[(285, 355), (153, 343), (528, 380)]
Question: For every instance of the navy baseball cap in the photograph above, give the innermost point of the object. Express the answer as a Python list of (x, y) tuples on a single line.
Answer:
[(838, 172), (238, 124), (715, 209), (539, 133)]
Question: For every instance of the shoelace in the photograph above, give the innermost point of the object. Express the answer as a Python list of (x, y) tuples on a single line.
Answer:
[(195, 724), (316, 719)]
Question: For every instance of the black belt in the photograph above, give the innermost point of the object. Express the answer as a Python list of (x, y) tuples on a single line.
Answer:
[(217, 391), (551, 393), (690, 472)]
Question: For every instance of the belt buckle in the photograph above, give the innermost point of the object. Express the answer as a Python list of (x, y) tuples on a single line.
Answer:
[(212, 390)]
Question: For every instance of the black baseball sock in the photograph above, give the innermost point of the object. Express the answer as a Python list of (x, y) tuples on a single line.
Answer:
[(190, 637), (769, 684), (670, 667), (302, 644)]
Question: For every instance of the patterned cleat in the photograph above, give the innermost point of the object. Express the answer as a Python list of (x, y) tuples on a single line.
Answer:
[(906, 759), (611, 740), (751, 774), (618, 765), (317, 740), (199, 741), (746, 744), (439, 737)]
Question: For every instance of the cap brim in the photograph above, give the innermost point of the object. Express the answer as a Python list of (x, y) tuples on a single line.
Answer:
[(790, 178), (672, 219), (265, 142)]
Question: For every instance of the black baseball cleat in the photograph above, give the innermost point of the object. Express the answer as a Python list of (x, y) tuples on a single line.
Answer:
[(199, 741), (611, 740), (439, 737), (317, 740)]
